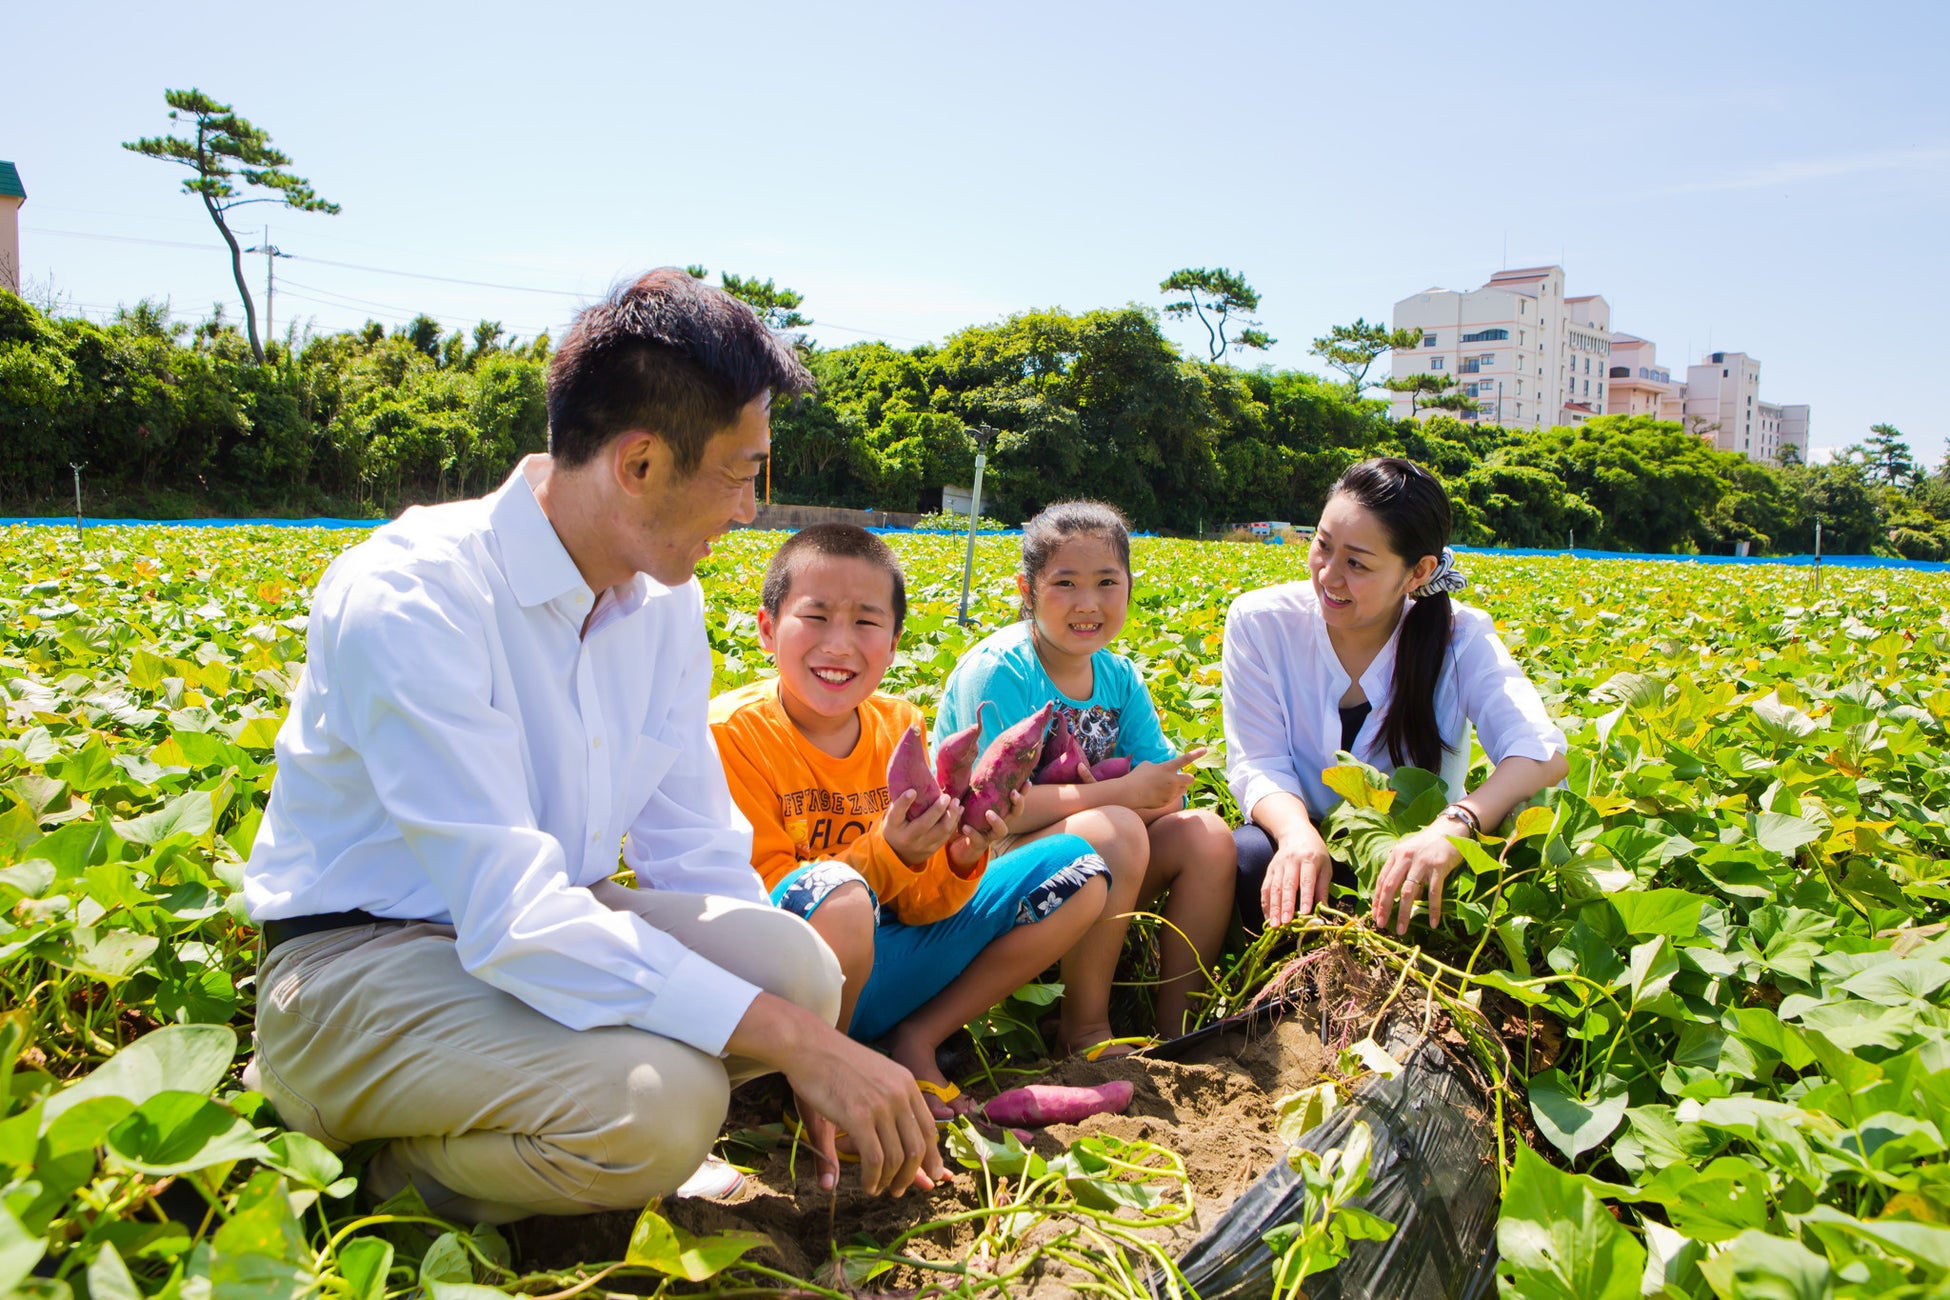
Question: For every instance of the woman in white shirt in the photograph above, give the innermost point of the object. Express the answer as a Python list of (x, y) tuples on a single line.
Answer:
[(1372, 656)]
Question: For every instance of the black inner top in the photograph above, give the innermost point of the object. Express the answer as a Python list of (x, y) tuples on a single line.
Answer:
[(1352, 716)]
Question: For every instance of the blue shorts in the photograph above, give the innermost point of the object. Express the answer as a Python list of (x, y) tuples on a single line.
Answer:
[(912, 963)]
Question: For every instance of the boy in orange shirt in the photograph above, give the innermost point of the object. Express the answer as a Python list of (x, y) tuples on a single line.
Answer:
[(929, 933)]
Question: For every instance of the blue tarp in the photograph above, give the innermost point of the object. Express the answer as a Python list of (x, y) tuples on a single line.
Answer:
[(1840, 561)]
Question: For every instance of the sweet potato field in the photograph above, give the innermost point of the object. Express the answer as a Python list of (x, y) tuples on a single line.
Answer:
[(1709, 979)]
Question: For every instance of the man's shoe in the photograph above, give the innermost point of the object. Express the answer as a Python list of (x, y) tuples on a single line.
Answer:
[(715, 1180)]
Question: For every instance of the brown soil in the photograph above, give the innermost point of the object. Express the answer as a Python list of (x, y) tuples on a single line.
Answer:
[(1217, 1110)]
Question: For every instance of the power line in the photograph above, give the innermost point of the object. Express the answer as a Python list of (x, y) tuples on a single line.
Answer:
[(419, 275)]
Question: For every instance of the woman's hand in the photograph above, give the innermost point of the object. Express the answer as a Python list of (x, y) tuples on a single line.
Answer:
[(914, 842), (1418, 864), (1298, 877)]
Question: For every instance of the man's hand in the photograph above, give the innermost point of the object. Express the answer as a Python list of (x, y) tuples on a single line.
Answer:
[(914, 842), (869, 1096)]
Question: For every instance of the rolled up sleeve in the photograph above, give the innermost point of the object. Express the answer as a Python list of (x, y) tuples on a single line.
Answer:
[(1510, 718), (411, 683)]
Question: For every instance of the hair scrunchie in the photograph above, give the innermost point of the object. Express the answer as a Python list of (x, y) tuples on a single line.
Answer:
[(1446, 580)]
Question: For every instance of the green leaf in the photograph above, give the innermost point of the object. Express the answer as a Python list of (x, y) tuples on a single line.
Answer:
[(176, 1132), (1893, 983), (364, 1262), (1672, 912), (446, 1261), (191, 813), (656, 1243), (1758, 1266), (1574, 1124), (305, 1160), (109, 1277), (1924, 1243), (1780, 833), (20, 1250), (1559, 1242), (184, 1058)]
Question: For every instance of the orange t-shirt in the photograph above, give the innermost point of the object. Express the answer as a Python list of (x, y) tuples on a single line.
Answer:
[(806, 805)]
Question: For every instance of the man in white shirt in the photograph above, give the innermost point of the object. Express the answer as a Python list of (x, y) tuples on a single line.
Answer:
[(497, 693)]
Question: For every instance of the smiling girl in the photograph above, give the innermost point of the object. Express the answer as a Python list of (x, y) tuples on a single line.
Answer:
[(1075, 586), (1372, 656)]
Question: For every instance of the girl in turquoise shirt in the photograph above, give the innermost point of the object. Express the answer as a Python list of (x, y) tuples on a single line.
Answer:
[(1075, 586)]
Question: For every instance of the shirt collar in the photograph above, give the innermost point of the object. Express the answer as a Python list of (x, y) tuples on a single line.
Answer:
[(537, 564)]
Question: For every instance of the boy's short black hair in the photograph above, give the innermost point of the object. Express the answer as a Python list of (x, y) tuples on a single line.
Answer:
[(667, 355), (840, 541)]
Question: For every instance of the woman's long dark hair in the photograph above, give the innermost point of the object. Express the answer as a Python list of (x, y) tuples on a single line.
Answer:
[(1413, 510)]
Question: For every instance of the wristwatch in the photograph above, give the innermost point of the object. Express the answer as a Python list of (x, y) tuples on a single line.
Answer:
[(1462, 816)]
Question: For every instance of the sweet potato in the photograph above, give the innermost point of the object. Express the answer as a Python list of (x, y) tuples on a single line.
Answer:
[(1004, 766), (954, 761), (1038, 1104), (1111, 768), (908, 770), (1061, 754)]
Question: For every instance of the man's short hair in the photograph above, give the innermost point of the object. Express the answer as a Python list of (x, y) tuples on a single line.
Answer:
[(667, 355), (839, 541)]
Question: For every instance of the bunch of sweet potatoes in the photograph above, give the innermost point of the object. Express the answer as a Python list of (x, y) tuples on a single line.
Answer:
[(982, 784)]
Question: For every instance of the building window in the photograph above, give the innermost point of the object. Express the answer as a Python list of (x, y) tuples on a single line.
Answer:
[(1428, 340), (1519, 410), (1435, 363), (1485, 336)]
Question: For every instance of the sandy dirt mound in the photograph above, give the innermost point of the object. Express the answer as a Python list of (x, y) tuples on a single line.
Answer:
[(1216, 1110)]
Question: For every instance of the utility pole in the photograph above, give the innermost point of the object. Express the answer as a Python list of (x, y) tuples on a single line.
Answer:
[(271, 252), (983, 436), (77, 499)]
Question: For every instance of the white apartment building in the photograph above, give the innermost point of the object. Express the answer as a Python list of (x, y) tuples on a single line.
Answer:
[(1530, 357), (1533, 358)]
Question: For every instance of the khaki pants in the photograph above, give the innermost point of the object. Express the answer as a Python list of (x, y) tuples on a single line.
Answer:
[(498, 1112)]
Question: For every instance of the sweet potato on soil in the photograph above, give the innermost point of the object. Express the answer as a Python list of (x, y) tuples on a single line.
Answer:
[(1004, 766), (954, 762), (1038, 1104), (908, 770), (1061, 754)]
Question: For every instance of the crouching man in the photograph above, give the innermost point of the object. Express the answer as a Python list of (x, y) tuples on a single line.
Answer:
[(498, 692)]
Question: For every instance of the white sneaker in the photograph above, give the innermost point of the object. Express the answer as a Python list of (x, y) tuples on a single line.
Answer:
[(715, 1180)]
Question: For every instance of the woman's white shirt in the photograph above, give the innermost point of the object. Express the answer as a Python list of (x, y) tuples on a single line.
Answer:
[(1283, 686)]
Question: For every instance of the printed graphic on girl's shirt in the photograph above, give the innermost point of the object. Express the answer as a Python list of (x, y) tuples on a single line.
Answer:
[(1095, 729)]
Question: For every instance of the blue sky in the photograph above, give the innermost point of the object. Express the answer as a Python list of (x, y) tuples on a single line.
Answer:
[(1773, 178)]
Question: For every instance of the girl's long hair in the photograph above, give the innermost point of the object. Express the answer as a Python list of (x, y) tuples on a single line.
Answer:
[(1413, 510)]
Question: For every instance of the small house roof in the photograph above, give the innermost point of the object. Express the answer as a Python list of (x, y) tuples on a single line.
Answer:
[(10, 186)]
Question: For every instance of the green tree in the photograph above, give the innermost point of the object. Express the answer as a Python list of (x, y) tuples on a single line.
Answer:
[(1887, 455), (776, 305), (1227, 301), (1430, 390), (223, 147), (1353, 349)]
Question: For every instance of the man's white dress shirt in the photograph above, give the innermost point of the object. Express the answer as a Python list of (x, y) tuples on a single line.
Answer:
[(461, 750), (1282, 689)]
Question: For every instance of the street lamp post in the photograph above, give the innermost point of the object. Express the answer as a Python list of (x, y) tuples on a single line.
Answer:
[(983, 436)]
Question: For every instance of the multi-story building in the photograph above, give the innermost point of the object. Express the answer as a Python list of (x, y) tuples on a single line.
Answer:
[(12, 195), (1529, 356)]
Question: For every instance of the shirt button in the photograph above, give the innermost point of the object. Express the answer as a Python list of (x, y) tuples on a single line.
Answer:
[(597, 743)]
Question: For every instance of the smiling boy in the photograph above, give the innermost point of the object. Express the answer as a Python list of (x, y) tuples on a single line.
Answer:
[(929, 933)]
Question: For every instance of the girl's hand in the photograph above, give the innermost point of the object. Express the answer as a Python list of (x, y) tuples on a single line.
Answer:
[(914, 842), (1418, 863), (1157, 785), (965, 853), (1297, 878)]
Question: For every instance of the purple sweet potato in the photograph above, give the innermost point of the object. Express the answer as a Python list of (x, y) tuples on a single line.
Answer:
[(1111, 768), (954, 761), (1004, 766), (1061, 754), (908, 770), (1038, 1104)]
